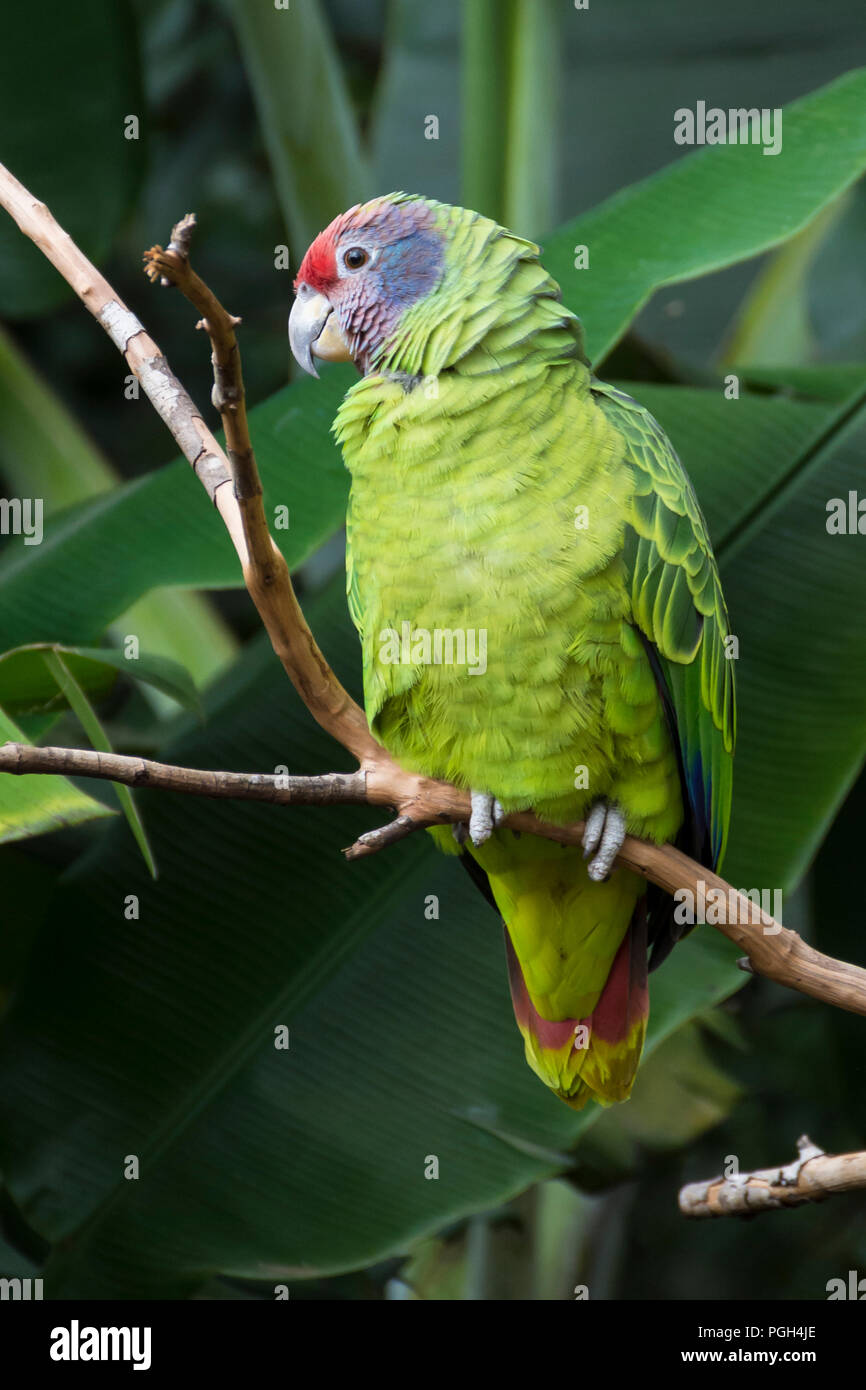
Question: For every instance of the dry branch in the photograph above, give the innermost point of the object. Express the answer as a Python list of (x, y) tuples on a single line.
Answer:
[(772, 949), (812, 1176), (329, 788), (265, 571), (233, 484)]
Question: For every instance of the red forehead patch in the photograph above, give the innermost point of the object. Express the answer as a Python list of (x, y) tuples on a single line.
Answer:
[(319, 266)]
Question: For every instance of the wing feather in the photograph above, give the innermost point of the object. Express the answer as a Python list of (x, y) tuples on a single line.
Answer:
[(678, 605)]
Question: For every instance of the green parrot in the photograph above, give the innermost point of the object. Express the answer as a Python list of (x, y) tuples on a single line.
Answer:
[(538, 604)]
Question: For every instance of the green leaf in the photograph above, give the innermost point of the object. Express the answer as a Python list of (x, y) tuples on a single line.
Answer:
[(727, 207), (179, 539), (181, 627), (764, 469), (483, 92), (90, 54), (307, 122), (35, 804), (86, 716), (44, 453), (835, 383), (162, 674), (27, 687), (510, 60), (402, 1042), (533, 91), (724, 204), (421, 76), (772, 324), (808, 688)]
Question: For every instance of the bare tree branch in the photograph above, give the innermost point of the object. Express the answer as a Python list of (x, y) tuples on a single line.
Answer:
[(328, 789), (811, 1177), (773, 951), (233, 484), (265, 571)]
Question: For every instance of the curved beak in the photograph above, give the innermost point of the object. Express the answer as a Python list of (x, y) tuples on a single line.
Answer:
[(313, 328)]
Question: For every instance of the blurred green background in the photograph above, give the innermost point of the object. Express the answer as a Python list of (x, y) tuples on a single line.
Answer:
[(139, 1014)]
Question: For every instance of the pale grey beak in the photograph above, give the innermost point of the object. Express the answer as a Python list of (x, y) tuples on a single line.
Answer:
[(313, 328)]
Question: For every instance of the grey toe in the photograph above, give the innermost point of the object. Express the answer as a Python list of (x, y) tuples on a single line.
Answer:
[(487, 813), (610, 843)]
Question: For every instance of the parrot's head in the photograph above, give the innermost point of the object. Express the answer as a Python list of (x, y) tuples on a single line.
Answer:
[(402, 283), (360, 275)]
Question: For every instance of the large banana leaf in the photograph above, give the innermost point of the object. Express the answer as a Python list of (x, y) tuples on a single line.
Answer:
[(703, 213), (92, 59), (401, 1038), (156, 1038), (725, 204), (178, 540), (791, 589), (45, 453), (716, 207), (305, 113)]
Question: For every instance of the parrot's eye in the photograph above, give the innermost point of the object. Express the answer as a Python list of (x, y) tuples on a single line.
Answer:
[(355, 257)]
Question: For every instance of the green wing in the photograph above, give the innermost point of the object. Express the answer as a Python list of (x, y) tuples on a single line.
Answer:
[(678, 605), (380, 682), (352, 595)]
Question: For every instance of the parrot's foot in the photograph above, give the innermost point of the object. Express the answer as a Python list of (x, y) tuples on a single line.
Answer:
[(486, 814), (603, 837)]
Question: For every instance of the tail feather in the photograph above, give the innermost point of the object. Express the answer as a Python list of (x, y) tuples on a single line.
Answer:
[(577, 961), (596, 1057)]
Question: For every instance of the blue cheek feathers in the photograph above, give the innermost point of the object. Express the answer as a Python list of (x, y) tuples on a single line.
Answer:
[(409, 269)]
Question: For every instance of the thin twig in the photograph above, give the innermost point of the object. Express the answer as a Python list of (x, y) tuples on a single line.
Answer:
[(280, 789), (812, 1176), (172, 267), (266, 574)]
